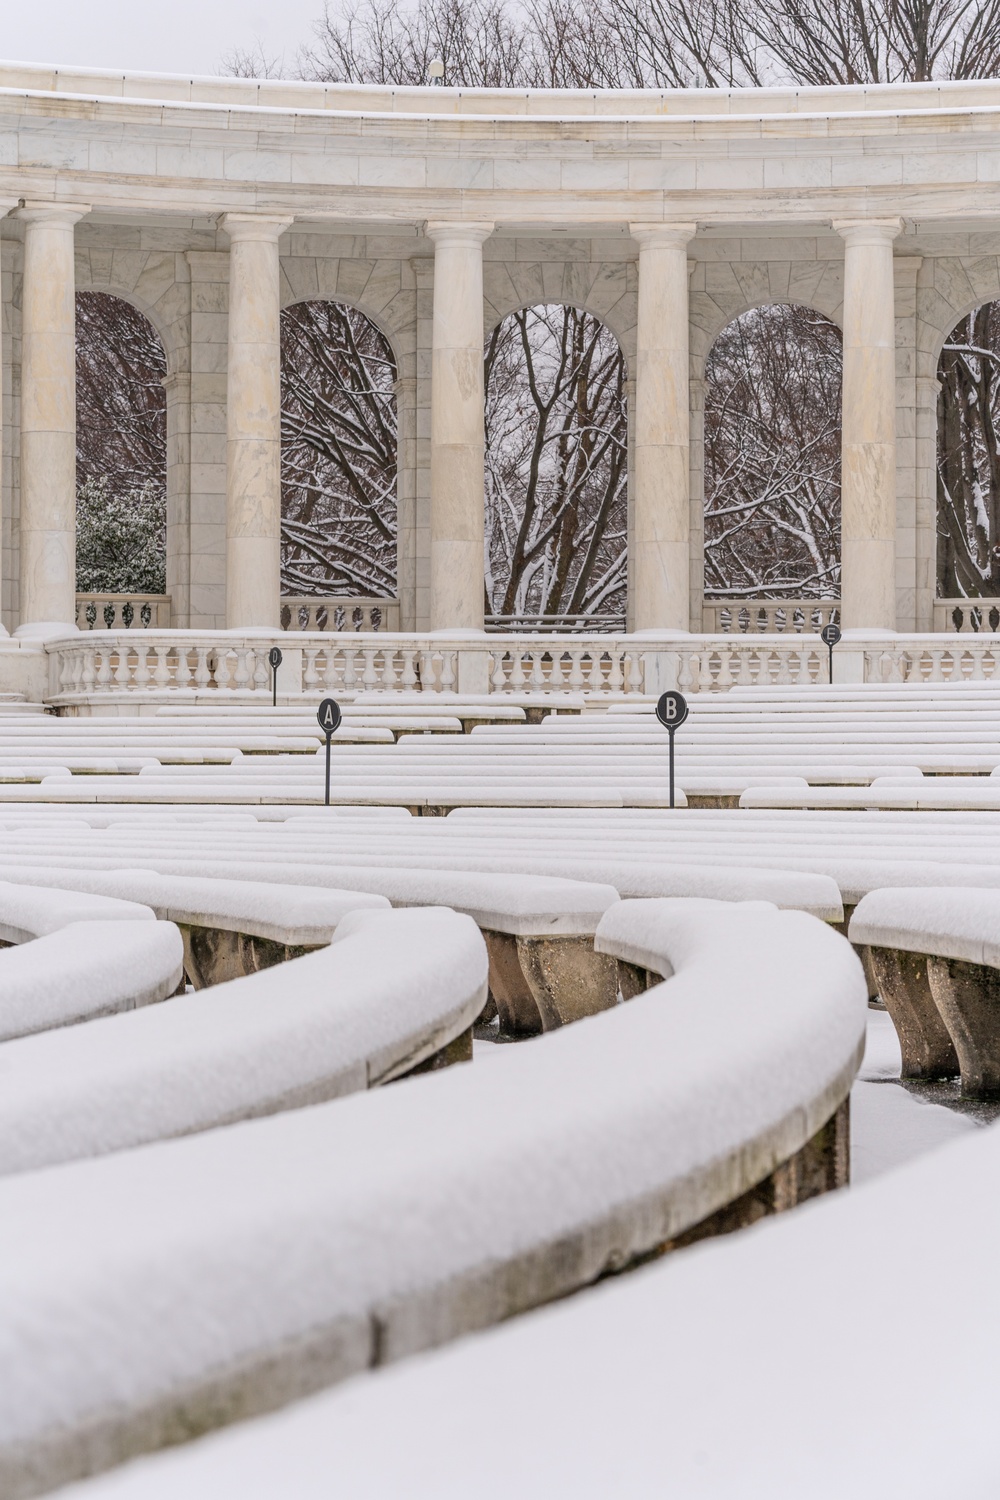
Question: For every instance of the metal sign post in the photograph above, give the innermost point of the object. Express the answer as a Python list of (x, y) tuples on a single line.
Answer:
[(672, 710), (329, 717), (830, 636), (274, 657)]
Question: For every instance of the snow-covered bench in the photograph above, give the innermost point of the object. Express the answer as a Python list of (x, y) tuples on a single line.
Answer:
[(935, 956), (809, 1323), (157, 1292), (229, 927), (539, 931), (66, 956), (393, 992)]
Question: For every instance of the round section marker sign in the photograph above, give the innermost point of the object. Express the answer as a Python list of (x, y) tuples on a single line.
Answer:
[(329, 716), (672, 709), (830, 635)]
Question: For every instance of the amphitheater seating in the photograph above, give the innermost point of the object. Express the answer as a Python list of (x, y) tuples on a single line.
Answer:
[(935, 955), (393, 991), (354, 1232), (770, 748), (75, 956), (814, 1357), (229, 927)]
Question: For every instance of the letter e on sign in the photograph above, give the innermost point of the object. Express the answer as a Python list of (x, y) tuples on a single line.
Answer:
[(329, 716), (672, 709), (830, 635)]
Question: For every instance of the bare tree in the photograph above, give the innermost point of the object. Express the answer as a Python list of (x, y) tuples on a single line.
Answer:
[(121, 448), (772, 456), (555, 465), (121, 406), (968, 489), (338, 453)]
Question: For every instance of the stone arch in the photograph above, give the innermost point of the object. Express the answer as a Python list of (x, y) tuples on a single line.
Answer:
[(967, 458), (121, 365), (556, 465), (771, 507), (340, 459)]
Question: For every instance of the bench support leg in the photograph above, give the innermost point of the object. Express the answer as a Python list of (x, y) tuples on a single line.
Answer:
[(924, 1038), (213, 955), (540, 983), (968, 998), (822, 1165)]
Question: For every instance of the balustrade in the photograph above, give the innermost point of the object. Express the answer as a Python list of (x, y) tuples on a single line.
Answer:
[(340, 614), (768, 616), (980, 616), (123, 611), (343, 663)]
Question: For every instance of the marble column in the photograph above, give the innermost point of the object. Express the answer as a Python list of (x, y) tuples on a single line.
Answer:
[(5, 206), (253, 423), (662, 492), (868, 444), (48, 415), (457, 427)]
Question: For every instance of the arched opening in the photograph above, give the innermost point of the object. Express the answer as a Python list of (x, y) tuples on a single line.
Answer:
[(772, 456), (968, 463), (556, 473), (338, 460), (121, 458)]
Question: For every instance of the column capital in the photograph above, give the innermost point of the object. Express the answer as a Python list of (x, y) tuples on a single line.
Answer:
[(458, 232), (33, 211), (268, 227), (669, 236), (867, 231)]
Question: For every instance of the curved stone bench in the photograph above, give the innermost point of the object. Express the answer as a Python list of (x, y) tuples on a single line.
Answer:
[(230, 927), (393, 992), (158, 1292), (539, 931), (791, 1319), (87, 969), (935, 956), (27, 912)]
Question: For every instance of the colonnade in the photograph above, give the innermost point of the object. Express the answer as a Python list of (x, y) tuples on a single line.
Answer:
[(661, 485)]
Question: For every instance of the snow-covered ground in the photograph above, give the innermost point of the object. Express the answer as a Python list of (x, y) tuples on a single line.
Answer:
[(890, 1124)]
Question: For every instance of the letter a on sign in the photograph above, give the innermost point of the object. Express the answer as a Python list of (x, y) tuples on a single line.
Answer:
[(329, 716)]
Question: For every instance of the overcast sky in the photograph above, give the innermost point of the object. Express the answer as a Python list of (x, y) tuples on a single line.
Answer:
[(158, 36)]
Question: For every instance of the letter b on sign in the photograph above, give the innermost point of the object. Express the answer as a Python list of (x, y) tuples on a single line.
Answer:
[(672, 709)]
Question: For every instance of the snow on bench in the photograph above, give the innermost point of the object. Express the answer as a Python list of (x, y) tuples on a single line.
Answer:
[(935, 956), (542, 974), (153, 1293), (26, 913), (392, 991), (87, 969), (229, 927), (671, 1382)]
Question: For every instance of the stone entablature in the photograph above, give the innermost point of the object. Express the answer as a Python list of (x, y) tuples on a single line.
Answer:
[(709, 201)]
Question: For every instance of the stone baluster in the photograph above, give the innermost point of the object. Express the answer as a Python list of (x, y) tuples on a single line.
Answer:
[(498, 680), (868, 444), (253, 422), (48, 414), (409, 677), (457, 431), (662, 486), (142, 672), (161, 672), (449, 664)]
